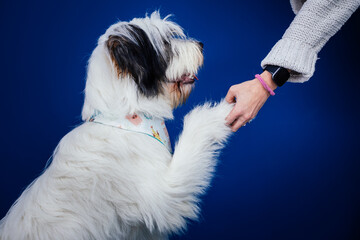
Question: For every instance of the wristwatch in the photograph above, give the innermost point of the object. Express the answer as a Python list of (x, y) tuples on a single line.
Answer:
[(279, 74)]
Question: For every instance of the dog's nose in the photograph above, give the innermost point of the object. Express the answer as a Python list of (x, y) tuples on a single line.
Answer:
[(201, 46)]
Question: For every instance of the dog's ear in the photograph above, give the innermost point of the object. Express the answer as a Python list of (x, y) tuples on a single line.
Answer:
[(135, 55)]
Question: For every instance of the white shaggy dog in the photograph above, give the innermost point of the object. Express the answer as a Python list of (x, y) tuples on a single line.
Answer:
[(109, 181)]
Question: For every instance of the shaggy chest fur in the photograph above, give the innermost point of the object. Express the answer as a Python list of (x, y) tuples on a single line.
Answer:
[(119, 181)]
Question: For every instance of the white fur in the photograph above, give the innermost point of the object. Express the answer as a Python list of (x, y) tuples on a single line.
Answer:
[(106, 183)]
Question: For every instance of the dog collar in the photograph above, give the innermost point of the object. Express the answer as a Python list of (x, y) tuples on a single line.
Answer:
[(140, 123)]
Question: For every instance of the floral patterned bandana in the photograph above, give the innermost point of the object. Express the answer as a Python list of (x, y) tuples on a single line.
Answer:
[(140, 123)]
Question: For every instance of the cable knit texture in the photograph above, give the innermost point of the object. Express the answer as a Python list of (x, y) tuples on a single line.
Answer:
[(315, 23)]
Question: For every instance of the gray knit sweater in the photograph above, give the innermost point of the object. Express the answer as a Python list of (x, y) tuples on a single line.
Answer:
[(315, 23)]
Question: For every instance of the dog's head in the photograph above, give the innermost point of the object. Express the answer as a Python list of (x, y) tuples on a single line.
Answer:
[(147, 65)]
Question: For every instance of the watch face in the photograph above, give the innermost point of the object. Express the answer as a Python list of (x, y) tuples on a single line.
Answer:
[(272, 69), (281, 76)]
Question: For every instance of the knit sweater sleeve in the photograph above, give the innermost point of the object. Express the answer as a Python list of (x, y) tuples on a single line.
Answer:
[(315, 23)]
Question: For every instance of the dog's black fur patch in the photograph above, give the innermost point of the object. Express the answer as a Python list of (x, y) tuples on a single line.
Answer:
[(140, 59)]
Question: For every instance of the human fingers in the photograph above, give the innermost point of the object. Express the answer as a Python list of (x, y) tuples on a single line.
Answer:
[(233, 115), (238, 123), (231, 94)]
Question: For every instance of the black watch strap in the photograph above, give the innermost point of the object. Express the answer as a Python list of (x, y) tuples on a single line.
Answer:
[(279, 74)]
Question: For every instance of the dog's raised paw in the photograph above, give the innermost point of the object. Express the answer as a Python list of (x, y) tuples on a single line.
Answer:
[(209, 119)]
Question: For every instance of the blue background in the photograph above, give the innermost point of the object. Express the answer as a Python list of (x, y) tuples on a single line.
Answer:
[(293, 173)]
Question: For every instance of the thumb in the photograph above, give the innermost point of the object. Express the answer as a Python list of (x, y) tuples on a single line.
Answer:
[(230, 96)]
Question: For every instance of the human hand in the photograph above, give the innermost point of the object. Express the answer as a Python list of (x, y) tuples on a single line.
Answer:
[(249, 97)]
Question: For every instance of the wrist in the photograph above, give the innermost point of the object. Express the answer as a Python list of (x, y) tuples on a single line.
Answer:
[(267, 76)]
